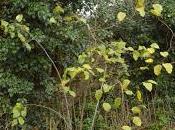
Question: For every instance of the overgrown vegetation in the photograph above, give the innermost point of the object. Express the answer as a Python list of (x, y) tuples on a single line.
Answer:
[(87, 65)]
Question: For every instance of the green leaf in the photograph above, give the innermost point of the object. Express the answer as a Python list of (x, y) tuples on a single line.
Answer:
[(157, 69), (28, 47), (129, 92), (98, 94), (157, 9), (146, 53), (137, 121), (82, 58), (126, 128), (125, 84), (87, 66), (141, 48), (100, 70), (14, 122), (52, 20), (136, 55), (129, 49), (24, 112), (144, 68), (73, 71), (21, 37), (164, 54), (66, 89), (58, 9), (155, 45), (106, 107), (121, 16), (148, 86), (18, 106), (16, 113), (152, 81), (4, 23), (83, 20), (19, 17), (117, 102), (119, 46), (136, 110), (107, 88), (102, 79), (72, 93), (168, 67), (21, 120)]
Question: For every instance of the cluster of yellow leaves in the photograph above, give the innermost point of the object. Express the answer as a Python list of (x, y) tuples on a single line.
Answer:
[(140, 7), (168, 67)]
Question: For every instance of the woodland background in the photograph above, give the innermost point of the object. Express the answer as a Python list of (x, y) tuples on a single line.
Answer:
[(47, 47)]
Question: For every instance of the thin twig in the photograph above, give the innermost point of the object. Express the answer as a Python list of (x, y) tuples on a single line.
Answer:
[(50, 109), (55, 67), (172, 33)]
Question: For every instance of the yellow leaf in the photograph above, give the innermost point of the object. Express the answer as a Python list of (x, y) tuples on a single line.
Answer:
[(21, 37), (129, 92), (136, 55), (106, 107), (144, 68), (168, 67), (157, 69), (68, 18), (149, 60), (141, 11), (66, 89), (86, 75), (141, 48), (125, 84), (19, 17), (164, 54), (126, 128), (151, 50), (121, 16), (52, 20), (155, 45), (136, 110), (152, 81), (107, 88), (139, 95), (129, 49), (58, 9), (98, 94), (117, 102), (148, 86), (100, 70), (87, 66), (140, 7), (137, 121), (157, 9)]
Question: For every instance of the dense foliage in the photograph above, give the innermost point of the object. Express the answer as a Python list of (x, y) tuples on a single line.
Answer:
[(80, 65)]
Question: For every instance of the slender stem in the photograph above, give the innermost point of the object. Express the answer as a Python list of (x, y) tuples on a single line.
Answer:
[(55, 67), (97, 105), (95, 114)]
